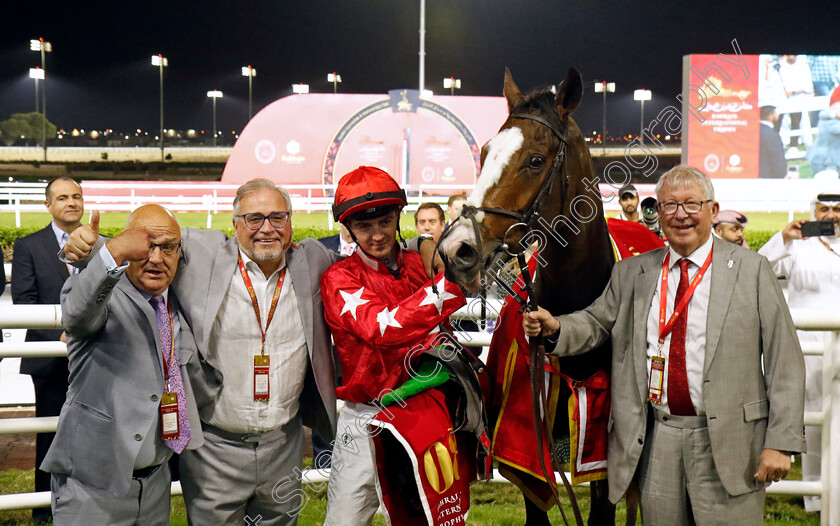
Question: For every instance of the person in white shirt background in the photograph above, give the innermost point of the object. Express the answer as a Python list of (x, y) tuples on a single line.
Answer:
[(812, 267)]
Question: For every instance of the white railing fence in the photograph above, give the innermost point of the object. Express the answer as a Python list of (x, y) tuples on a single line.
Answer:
[(49, 316), (740, 194)]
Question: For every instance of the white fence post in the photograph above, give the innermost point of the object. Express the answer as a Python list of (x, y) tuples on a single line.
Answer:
[(831, 432)]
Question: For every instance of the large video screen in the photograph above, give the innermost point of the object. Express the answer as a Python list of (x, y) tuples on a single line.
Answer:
[(762, 116)]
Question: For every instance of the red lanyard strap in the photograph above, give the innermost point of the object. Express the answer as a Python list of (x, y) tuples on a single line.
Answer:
[(665, 328), (256, 305)]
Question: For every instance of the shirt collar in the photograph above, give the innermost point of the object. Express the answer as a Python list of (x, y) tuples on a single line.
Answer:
[(148, 296), (59, 234), (377, 265), (698, 257), (251, 265)]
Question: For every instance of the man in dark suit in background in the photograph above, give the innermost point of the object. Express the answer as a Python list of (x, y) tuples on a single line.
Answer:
[(341, 243), (771, 152), (37, 277)]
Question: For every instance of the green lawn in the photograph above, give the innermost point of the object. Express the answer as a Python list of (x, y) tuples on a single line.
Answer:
[(491, 505)]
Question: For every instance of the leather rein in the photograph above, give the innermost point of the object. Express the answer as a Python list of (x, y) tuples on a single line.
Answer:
[(536, 366)]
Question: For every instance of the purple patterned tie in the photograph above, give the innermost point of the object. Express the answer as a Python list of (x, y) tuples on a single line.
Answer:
[(176, 383), (679, 397)]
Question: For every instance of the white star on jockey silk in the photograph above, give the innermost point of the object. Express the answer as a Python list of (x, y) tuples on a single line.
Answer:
[(386, 319), (351, 301), (435, 299)]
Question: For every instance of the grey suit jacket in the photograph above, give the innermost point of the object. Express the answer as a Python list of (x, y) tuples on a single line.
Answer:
[(116, 379), (208, 264), (748, 325)]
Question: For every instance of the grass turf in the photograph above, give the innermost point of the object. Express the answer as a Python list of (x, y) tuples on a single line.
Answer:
[(490, 505)]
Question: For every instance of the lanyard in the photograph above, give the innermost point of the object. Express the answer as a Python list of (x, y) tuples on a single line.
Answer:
[(826, 245), (665, 328), (171, 345), (254, 300)]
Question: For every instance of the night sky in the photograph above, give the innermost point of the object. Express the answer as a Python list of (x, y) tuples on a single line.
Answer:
[(99, 74)]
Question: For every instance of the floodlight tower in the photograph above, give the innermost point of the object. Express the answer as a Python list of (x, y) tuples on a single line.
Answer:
[(161, 62), (604, 87), (43, 47)]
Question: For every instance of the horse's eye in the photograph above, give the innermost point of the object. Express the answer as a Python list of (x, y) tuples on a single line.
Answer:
[(536, 161)]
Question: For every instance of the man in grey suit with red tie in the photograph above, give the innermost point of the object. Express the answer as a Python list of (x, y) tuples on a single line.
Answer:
[(707, 401), (37, 277), (130, 404)]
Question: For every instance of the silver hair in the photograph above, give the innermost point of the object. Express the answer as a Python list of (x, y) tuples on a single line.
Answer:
[(682, 176), (259, 184)]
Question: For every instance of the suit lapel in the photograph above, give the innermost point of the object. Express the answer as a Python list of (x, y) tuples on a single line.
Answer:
[(50, 246), (145, 307), (724, 278), (223, 268), (298, 267), (644, 287)]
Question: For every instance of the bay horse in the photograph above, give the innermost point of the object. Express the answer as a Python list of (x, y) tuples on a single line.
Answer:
[(537, 184)]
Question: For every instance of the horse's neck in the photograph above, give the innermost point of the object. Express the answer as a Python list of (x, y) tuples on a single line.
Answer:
[(575, 275)]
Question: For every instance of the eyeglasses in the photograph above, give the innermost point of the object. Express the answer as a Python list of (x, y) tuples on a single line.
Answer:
[(255, 220), (690, 207), (167, 249)]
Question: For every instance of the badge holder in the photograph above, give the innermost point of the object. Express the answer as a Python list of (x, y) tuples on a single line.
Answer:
[(261, 385), (169, 416), (657, 378)]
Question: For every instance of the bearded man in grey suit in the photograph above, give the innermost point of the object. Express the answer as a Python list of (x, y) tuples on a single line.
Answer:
[(707, 404), (254, 302), (130, 350)]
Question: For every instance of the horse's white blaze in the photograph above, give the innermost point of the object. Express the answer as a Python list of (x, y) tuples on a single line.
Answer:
[(500, 149)]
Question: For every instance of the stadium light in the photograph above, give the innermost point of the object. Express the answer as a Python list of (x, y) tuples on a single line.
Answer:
[(37, 74), (642, 95), (161, 62), (43, 47), (214, 94), (300, 88), (452, 84), (250, 72), (335, 78), (602, 86)]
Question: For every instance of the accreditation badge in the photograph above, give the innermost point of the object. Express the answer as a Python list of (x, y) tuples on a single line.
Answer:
[(261, 385), (169, 416), (657, 377)]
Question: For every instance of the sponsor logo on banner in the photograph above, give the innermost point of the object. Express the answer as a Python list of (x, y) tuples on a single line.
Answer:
[(265, 152), (293, 149)]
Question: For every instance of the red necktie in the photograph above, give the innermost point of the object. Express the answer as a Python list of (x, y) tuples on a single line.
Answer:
[(679, 398)]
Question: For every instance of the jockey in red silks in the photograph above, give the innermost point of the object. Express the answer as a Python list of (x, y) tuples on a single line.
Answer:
[(395, 438)]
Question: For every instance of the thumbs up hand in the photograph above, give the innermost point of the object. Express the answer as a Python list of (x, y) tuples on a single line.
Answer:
[(83, 239)]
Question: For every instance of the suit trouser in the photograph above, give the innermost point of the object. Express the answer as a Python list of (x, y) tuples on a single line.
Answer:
[(812, 460), (50, 393), (352, 495), (74, 503), (244, 479), (678, 481)]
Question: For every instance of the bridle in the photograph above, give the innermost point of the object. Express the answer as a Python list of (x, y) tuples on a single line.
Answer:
[(536, 364)]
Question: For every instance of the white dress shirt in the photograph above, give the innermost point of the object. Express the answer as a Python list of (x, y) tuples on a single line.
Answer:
[(695, 336), (235, 339)]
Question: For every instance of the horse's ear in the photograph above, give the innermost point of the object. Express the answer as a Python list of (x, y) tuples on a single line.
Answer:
[(569, 93), (512, 94)]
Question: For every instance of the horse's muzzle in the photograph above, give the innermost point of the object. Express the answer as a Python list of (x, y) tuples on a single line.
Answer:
[(463, 266)]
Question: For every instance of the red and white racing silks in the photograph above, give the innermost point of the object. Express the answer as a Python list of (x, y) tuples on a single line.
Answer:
[(382, 322)]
